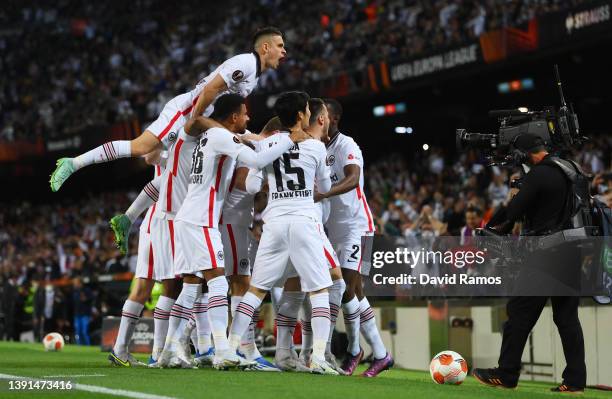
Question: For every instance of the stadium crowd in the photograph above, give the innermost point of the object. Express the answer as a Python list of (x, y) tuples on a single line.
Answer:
[(98, 67), (433, 193)]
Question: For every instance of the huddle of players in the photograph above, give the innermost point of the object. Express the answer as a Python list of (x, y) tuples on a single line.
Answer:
[(198, 227)]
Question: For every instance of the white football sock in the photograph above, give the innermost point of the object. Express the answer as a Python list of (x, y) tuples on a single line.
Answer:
[(234, 302), (244, 315), (370, 330), (147, 197), (306, 327), (190, 332), (247, 345), (335, 299), (286, 318), (200, 312), (104, 153), (320, 323), (351, 312), (161, 316), (275, 296), (180, 314), (129, 317), (217, 311)]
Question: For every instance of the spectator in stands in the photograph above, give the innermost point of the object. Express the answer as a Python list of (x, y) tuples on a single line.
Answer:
[(82, 303), (473, 220), (105, 62)]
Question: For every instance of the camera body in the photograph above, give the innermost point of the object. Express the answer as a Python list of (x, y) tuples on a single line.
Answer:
[(559, 129)]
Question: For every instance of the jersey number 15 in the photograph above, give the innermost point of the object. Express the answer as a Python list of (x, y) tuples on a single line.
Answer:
[(289, 170)]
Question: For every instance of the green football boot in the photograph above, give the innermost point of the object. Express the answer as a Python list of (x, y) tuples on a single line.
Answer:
[(62, 172), (121, 227)]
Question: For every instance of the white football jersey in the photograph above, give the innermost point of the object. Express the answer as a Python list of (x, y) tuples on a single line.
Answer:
[(291, 180), (238, 206), (351, 207), (214, 158), (240, 73), (175, 179)]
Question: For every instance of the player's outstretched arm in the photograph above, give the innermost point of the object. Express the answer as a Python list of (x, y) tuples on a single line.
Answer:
[(120, 224), (258, 160), (208, 95)]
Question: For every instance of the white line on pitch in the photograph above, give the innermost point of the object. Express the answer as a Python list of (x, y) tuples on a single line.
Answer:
[(74, 375), (95, 389)]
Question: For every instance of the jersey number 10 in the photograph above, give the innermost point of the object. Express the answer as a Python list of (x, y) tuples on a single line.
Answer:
[(289, 170)]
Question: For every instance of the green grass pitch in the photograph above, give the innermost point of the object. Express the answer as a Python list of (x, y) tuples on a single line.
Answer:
[(88, 366)]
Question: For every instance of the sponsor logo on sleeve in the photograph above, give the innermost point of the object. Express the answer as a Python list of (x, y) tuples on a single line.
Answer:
[(237, 75), (351, 156)]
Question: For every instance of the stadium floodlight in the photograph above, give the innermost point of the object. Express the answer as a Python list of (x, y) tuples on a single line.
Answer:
[(400, 130), (379, 110), (523, 109), (527, 84), (409, 130), (389, 109), (425, 147)]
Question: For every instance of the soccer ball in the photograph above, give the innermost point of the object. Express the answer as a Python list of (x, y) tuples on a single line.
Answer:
[(53, 342), (448, 367)]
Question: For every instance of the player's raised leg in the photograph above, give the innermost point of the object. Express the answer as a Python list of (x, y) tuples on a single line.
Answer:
[(121, 224), (107, 152)]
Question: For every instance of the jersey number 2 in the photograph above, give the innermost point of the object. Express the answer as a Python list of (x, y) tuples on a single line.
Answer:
[(291, 185)]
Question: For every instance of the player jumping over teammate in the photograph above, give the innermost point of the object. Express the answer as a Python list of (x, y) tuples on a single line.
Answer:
[(238, 75)]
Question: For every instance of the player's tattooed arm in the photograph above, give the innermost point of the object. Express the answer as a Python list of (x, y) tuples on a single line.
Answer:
[(208, 95), (195, 126), (350, 182)]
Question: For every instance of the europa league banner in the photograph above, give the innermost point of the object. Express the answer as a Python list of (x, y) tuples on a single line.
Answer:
[(567, 263), (142, 339)]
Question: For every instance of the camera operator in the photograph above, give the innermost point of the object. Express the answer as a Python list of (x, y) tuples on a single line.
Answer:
[(542, 203)]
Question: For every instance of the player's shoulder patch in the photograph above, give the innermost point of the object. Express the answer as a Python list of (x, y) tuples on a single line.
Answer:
[(237, 75), (236, 140), (172, 136)]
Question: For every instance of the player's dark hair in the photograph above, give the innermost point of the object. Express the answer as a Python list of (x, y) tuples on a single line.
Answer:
[(316, 107), (288, 105), (226, 105), (273, 125), (267, 30), (334, 107)]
